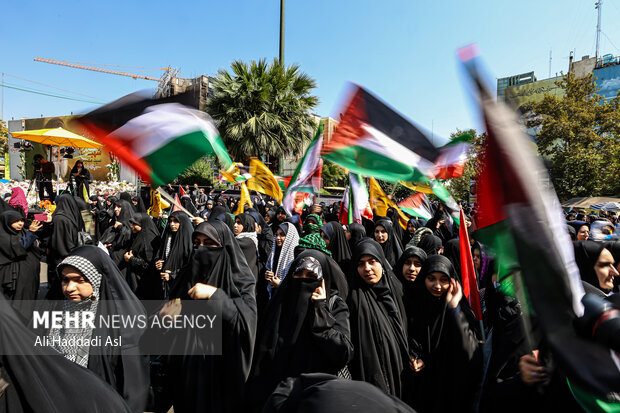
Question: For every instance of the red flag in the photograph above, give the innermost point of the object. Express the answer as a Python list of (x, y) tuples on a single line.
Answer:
[(181, 191), (177, 203), (468, 273)]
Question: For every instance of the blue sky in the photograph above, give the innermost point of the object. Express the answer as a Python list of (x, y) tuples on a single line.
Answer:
[(403, 51)]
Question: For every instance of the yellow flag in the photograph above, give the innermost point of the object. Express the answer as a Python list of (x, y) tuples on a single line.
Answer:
[(380, 202), (84, 193), (417, 186), (263, 181), (245, 199)]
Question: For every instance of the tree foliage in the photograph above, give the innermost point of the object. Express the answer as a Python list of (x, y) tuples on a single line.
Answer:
[(460, 187), (263, 109), (579, 135), (333, 175), (199, 173), (4, 137)]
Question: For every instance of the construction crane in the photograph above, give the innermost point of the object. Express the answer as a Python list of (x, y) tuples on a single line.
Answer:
[(168, 77)]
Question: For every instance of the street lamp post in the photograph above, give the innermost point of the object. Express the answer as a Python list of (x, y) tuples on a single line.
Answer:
[(281, 57)]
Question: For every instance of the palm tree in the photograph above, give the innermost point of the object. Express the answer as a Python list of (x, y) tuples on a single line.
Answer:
[(263, 109)]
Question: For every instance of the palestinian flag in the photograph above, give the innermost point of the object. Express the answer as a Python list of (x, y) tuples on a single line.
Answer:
[(453, 157), (307, 176), (374, 140), (176, 206), (522, 220), (355, 202), (468, 272), (157, 138), (417, 205)]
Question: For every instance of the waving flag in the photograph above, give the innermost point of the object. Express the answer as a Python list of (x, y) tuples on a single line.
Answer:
[(262, 180), (468, 272), (417, 205), (355, 202), (157, 138), (374, 140), (380, 202), (307, 176), (453, 157), (522, 220)]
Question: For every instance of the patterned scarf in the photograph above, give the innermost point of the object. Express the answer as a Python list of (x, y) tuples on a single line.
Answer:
[(311, 227), (314, 242), (63, 336)]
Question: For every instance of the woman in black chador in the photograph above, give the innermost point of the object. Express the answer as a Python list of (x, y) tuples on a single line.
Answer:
[(91, 283), (378, 324), (67, 222), (445, 353), (81, 177), (19, 261), (217, 272), (305, 329), (174, 250)]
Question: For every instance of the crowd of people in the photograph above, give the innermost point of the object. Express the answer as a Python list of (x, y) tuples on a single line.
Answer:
[(317, 315)]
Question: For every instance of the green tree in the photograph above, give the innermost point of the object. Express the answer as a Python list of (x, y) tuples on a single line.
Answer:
[(263, 109), (460, 187), (4, 137), (333, 175), (579, 135), (199, 173)]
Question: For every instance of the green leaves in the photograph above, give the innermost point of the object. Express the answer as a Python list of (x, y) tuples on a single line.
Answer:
[(263, 109), (579, 135)]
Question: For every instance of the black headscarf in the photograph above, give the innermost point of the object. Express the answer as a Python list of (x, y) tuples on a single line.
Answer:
[(216, 383), (429, 312), (357, 233), (378, 330), (68, 222), (119, 237), (125, 197), (431, 244), (248, 222), (181, 243), (125, 372), (315, 392), (452, 251), (398, 270), (126, 213), (338, 245), (10, 248), (139, 207), (48, 383), (444, 341), (142, 243), (587, 254), (392, 248), (221, 213), (143, 246), (188, 204)]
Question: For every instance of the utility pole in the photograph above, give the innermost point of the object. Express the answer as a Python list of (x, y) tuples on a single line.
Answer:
[(549, 64), (598, 5), (281, 57)]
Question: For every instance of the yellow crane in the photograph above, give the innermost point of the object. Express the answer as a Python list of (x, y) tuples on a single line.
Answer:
[(169, 76)]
